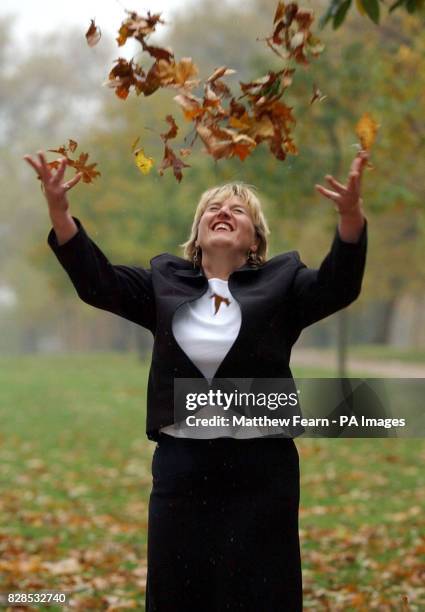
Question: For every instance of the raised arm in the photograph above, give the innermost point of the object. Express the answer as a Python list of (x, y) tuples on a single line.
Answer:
[(319, 293), (336, 284), (123, 290)]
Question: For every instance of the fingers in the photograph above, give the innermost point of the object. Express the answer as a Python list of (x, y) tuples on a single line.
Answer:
[(45, 172), (60, 171), (331, 195), (73, 181), (355, 174), (34, 164), (354, 182), (339, 187), (360, 161)]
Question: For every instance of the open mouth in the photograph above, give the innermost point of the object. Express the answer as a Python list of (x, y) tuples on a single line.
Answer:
[(222, 226)]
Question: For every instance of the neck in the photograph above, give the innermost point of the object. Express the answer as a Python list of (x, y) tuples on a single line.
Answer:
[(221, 265)]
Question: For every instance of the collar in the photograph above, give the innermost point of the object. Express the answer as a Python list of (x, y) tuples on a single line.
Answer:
[(196, 272), (183, 267)]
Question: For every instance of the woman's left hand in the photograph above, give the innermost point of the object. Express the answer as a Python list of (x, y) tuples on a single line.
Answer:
[(347, 197)]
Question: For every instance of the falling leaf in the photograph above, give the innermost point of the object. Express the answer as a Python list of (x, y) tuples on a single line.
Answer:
[(88, 172), (280, 11), (170, 160), (93, 34), (142, 162), (224, 142), (125, 75), (366, 130), (138, 27), (135, 143), (227, 127), (172, 132), (317, 95)]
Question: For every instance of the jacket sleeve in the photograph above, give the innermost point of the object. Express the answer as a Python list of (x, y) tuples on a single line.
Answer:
[(123, 290), (319, 293)]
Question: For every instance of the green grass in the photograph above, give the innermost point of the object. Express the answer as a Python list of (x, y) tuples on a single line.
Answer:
[(75, 482), (381, 352)]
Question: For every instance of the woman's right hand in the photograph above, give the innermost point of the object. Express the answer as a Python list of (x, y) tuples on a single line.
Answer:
[(54, 189)]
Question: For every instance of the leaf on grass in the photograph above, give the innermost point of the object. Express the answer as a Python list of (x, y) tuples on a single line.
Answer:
[(93, 34), (366, 130)]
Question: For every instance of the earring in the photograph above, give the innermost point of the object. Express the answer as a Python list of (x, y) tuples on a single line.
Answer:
[(253, 258), (195, 258)]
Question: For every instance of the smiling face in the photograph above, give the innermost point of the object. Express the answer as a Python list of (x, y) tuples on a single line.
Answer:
[(227, 225)]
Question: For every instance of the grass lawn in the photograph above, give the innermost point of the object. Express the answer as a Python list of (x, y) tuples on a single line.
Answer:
[(75, 482), (381, 352)]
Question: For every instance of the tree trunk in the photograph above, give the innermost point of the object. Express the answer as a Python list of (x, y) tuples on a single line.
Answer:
[(384, 321)]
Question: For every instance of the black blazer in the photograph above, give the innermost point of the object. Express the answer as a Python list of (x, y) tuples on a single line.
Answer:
[(277, 299)]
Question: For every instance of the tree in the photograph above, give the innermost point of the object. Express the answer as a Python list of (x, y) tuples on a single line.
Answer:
[(337, 10)]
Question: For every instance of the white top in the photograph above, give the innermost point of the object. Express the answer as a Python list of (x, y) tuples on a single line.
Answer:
[(205, 329)]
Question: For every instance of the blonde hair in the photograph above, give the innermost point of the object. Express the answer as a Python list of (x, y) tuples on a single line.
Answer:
[(220, 193)]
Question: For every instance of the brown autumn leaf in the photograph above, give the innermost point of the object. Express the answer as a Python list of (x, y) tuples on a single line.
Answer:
[(317, 94), (191, 105), (177, 74), (366, 130), (227, 127), (170, 160), (172, 132), (280, 11), (225, 142), (138, 27), (291, 37), (88, 170), (216, 84), (93, 34), (159, 53), (125, 75)]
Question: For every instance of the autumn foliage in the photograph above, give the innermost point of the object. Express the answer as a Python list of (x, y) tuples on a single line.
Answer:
[(228, 124)]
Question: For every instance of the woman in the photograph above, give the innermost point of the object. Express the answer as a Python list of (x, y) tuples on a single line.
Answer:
[(223, 511)]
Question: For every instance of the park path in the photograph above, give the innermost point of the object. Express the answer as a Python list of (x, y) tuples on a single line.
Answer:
[(327, 358)]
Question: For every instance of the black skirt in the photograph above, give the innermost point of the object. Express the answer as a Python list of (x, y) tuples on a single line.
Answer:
[(223, 526)]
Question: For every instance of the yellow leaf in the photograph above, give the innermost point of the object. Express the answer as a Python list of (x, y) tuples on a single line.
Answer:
[(366, 130), (135, 143), (142, 162), (360, 7)]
